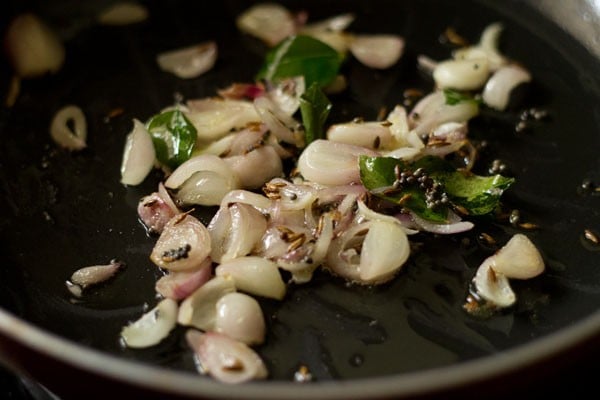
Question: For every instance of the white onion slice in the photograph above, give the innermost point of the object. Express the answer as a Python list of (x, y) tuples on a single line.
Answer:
[(138, 155), (269, 22), (518, 259), (496, 92), (61, 132), (216, 118), (152, 327), (331, 163), (125, 13), (33, 48), (493, 286), (255, 275), (240, 317), (462, 74), (200, 308), (235, 231), (178, 285), (225, 359), (256, 167), (372, 135), (184, 244), (189, 62), (95, 274), (377, 51)]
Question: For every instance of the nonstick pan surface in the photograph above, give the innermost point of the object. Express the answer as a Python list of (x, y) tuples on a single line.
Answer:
[(61, 211)]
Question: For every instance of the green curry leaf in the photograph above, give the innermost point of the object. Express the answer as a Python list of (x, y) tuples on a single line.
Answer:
[(173, 136), (315, 108)]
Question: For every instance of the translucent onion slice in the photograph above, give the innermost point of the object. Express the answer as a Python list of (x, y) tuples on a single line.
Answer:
[(493, 286), (235, 231), (184, 244), (432, 111), (498, 88), (125, 13), (377, 51), (240, 317), (518, 259), (372, 135), (178, 285), (189, 62), (269, 22), (256, 167), (95, 274), (225, 359), (330, 163), (255, 275), (206, 188), (152, 327), (216, 118), (462, 74), (138, 155), (384, 250), (61, 132), (200, 308), (33, 48), (256, 200)]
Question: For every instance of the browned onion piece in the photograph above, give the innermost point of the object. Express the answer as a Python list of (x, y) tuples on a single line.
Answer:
[(225, 359)]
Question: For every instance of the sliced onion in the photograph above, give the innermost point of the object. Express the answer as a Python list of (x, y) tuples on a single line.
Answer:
[(95, 274), (256, 167), (493, 286), (235, 231), (269, 22), (372, 135), (255, 275), (337, 23), (496, 92), (156, 209), (377, 51), (138, 155), (225, 359), (33, 48), (178, 285), (200, 308), (61, 132), (152, 327), (216, 118), (256, 200), (189, 62), (240, 317), (455, 225), (384, 250), (486, 48), (284, 127), (462, 74), (370, 215), (331, 163), (286, 94), (184, 244), (402, 136), (125, 13), (433, 111), (518, 259)]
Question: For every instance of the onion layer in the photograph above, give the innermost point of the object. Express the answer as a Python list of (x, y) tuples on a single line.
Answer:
[(61, 132), (138, 155)]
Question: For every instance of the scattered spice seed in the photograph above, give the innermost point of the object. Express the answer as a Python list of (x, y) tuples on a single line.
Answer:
[(303, 375), (528, 225), (488, 239), (451, 36)]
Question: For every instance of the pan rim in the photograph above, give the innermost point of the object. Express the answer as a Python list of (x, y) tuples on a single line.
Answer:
[(424, 382)]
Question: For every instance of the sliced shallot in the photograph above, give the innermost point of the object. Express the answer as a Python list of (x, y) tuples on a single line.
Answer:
[(372, 135), (493, 286), (517, 259), (330, 163), (240, 317), (377, 51), (189, 62), (138, 155), (269, 22), (184, 244), (200, 308), (152, 327), (255, 167), (225, 359), (498, 88), (125, 13), (468, 74), (178, 285), (61, 132), (255, 275), (87, 276), (156, 209), (33, 48)]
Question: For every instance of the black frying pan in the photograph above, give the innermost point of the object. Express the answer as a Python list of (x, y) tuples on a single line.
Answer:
[(62, 211)]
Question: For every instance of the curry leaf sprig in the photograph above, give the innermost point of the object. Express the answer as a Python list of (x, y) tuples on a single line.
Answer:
[(475, 195)]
